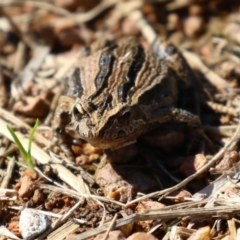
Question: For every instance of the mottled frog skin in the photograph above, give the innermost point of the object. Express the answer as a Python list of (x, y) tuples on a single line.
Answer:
[(119, 91)]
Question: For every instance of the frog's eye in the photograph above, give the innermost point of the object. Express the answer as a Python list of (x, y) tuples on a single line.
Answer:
[(126, 115), (171, 50), (76, 113)]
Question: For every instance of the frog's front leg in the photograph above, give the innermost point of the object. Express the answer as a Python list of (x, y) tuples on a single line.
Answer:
[(62, 118)]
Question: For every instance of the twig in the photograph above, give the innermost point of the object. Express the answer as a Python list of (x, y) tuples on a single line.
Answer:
[(42, 157), (196, 63), (24, 38), (39, 4), (8, 175), (40, 53), (79, 18), (110, 227), (146, 29), (63, 231), (85, 17), (220, 108), (167, 191), (75, 194), (67, 214), (193, 60), (222, 130), (220, 212)]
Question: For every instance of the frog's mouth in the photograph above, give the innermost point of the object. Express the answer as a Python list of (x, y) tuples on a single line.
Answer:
[(117, 134)]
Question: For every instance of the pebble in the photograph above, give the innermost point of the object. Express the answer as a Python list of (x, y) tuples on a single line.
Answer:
[(32, 223)]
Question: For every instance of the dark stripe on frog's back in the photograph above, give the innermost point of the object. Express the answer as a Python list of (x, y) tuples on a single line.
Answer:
[(119, 72), (105, 64), (126, 68), (130, 77), (159, 84)]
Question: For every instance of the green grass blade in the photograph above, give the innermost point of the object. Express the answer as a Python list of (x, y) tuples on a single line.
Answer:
[(17, 162), (16, 140), (31, 136)]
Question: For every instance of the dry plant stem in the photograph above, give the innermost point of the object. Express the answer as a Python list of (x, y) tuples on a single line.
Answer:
[(232, 229), (67, 215), (196, 63), (220, 108), (144, 26), (24, 38), (167, 236), (122, 9), (110, 227), (18, 122), (220, 212), (167, 191), (63, 231), (78, 18), (21, 49), (226, 131), (42, 157), (47, 178), (8, 175), (39, 4), (85, 17), (177, 4), (75, 194), (193, 60), (51, 214), (12, 148), (29, 71)]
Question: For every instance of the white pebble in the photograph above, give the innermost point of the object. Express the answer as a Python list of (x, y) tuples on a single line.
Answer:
[(32, 223)]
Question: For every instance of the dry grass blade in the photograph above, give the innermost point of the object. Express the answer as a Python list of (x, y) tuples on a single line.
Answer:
[(78, 18), (24, 38), (167, 191), (75, 194), (63, 231), (197, 212), (6, 233), (196, 63), (219, 184), (110, 227), (42, 157), (8, 176), (44, 5), (46, 52), (40, 52)]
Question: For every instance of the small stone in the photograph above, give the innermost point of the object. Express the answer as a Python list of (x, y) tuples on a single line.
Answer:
[(141, 236), (113, 235), (26, 187), (194, 26), (32, 223), (192, 164), (121, 182), (145, 206)]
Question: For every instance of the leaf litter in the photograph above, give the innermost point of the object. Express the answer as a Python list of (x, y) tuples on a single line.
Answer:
[(199, 198)]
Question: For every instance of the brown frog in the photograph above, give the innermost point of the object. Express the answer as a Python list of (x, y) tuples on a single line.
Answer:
[(119, 91)]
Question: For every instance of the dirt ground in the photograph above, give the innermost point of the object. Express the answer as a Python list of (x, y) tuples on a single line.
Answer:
[(170, 184)]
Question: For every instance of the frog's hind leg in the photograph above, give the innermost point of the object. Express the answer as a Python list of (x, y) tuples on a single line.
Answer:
[(182, 116), (187, 81)]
